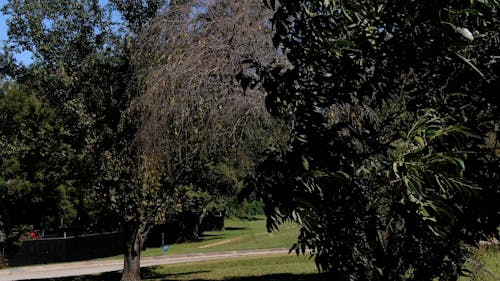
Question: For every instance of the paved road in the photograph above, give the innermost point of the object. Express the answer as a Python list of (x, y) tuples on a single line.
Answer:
[(100, 266)]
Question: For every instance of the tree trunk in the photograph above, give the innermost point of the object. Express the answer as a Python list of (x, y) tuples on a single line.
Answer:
[(135, 238)]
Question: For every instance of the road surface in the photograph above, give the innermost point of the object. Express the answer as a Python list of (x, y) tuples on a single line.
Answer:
[(100, 266)]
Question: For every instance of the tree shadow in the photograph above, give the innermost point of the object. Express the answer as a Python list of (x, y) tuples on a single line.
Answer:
[(208, 237), (212, 235), (270, 277), (115, 275), (235, 228), (283, 277), (151, 275), (250, 218)]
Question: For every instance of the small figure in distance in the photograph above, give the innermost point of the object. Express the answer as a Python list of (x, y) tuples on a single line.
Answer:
[(34, 235)]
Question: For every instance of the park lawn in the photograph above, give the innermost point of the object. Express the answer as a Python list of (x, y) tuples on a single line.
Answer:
[(272, 268), (242, 234), (492, 262), (238, 234), (290, 267), (485, 265)]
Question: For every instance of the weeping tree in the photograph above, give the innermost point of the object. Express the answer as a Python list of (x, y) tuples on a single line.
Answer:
[(389, 170), (202, 130)]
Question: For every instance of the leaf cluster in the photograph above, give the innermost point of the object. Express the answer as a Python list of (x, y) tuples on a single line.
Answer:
[(391, 103)]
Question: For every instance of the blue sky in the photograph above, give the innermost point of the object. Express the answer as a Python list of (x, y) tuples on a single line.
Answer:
[(3, 26), (23, 57), (26, 57)]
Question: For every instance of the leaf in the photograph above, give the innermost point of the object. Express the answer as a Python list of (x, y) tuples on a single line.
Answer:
[(465, 33), (420, 141), (305, 163)]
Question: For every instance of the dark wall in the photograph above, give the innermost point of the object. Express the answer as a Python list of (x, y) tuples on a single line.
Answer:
[(67, 249), (93, 246)]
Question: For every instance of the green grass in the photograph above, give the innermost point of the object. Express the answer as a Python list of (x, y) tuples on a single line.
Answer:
[(485, 265), (265, 268), (251, 234), (275, 268), (237, 235)]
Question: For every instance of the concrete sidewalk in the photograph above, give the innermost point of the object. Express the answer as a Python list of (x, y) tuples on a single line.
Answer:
[(100, 266)]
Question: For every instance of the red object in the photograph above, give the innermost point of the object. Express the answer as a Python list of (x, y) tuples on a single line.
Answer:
[(34, 235)]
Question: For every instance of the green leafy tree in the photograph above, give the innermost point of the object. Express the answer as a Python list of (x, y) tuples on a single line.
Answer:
[(83, 69), (78, 67), (36, 184), (387, 171)]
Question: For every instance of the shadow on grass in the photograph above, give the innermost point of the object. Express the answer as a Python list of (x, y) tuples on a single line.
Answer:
[(250, 218), (212, 235), (209, 237), (154, 276), (235, 228), (273, 277), (148, 275), (111, 276)]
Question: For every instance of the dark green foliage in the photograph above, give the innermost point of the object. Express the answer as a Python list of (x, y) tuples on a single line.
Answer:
[(79, 69), (83, 69), (391, 102), (138, 14), (36, 185)]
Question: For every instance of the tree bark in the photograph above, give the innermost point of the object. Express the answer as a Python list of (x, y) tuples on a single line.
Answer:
[(135, 238)]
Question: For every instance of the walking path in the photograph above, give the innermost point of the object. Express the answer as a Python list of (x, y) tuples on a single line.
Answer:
[(100, 266)]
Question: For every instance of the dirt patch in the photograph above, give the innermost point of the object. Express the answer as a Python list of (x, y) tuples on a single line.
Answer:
[(219, 243)]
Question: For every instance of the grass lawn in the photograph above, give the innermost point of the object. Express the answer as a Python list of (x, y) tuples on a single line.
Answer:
[(251, 234), (237, 235), (275, 268), (288, 267), (485, 265)]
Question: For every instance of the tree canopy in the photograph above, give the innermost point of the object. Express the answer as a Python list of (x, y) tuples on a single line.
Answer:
[(148, 130), (202, 129), (83, 70), (388, 169), (383, 146), (36, 185)]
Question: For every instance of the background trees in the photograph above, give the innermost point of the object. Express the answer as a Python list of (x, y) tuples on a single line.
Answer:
[(387, 171), (387, 166), (83, 70), (36, 186), (77, 70), (202, 131), (149, 107)]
